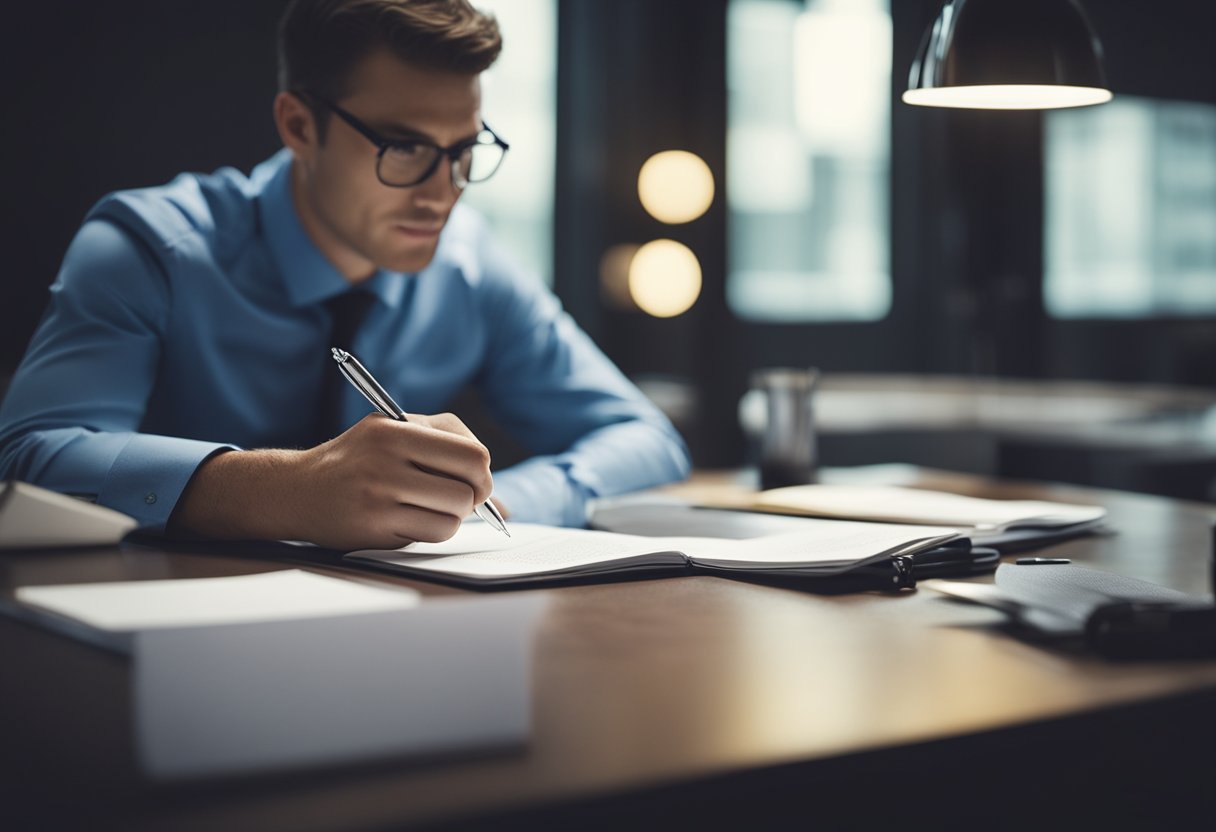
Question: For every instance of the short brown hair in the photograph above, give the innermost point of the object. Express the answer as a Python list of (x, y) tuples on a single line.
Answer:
[(321, 41)]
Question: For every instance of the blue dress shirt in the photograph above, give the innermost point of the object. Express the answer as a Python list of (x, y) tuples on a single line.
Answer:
[(190, 317)]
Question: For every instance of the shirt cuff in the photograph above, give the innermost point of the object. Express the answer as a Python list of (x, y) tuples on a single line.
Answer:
[(540, 491), (149, 475)]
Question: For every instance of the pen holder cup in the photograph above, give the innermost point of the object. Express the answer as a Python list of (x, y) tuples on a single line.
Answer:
[(788, 452)]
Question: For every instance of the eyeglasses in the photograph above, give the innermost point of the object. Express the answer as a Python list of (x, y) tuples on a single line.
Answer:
[(403, 163)]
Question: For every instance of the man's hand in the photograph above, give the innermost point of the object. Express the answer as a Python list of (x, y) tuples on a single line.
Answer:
[(381, 484), (387, 483)]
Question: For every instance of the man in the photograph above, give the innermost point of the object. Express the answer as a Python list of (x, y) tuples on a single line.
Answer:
[(192, 322)]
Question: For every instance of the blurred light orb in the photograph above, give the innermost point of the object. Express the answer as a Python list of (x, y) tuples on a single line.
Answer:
[(675, 186), (664, 278), (614, 275)]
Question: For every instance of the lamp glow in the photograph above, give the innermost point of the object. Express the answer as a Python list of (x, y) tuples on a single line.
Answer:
[(664, 278), (675, 186), (614, 275), (1008, 97), (1008, 55)]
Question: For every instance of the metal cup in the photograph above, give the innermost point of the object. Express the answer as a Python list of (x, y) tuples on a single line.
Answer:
[(788, 451)]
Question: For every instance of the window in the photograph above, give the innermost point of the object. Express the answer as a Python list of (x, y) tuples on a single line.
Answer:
[(1130, 222), (519, 102), (808, 157)]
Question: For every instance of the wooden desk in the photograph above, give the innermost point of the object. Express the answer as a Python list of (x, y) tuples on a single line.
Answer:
[(696, 700)]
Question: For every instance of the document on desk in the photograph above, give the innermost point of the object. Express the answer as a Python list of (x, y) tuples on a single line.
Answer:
[(1006, 525), (32, 517), (914, 505), (478, 556), (1057, 600), (130, 606)]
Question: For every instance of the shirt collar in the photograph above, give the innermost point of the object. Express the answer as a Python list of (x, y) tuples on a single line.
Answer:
[(308, 277)]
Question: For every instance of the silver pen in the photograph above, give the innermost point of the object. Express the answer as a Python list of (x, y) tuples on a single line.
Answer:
[(366, 384)]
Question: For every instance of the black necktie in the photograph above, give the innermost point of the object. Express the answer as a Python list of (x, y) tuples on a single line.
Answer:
[(346, 312)]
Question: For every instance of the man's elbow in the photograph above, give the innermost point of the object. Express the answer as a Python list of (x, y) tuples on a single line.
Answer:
[(16, 452), (680, 457), (679, 461)]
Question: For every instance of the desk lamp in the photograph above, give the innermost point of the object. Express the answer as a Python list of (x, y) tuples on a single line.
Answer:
[(1008, 55)]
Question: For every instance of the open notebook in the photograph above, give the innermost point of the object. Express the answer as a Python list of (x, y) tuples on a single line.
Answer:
[(480, 556)]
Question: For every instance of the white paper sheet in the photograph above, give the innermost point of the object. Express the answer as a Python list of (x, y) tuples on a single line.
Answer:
[(193, 602)]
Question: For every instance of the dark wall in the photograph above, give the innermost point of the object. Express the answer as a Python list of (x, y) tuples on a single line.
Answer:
[(130, 92), (636, 76), (1157, 49), (118, 94)]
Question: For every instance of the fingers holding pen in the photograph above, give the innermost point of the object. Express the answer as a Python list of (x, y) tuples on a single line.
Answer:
[(387, 483), (450, 451), (446, 422), (414, 457), (434, 492), (405, 524), (442, 445)]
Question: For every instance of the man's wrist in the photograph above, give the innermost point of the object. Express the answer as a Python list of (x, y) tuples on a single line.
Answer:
[(241, 495)]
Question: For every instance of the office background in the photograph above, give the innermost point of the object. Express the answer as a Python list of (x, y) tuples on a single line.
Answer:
[(847, 230)]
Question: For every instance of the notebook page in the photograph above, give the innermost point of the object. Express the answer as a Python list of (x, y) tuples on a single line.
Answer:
[(478, 551)]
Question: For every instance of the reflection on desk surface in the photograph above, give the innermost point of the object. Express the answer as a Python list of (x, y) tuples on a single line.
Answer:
[(450, 675)]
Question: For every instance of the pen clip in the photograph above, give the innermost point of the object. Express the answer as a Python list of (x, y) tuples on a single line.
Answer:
[(366, 384)]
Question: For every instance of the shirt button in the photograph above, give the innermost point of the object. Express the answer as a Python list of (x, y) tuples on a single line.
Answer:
[(150, 498)]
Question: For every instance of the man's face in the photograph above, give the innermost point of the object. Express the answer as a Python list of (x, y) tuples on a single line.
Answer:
[(361, 220)]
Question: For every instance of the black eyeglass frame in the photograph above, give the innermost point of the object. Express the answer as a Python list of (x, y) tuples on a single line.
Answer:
[(383, 145)]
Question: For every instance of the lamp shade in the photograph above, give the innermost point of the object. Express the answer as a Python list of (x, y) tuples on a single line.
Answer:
[(1008, 55)]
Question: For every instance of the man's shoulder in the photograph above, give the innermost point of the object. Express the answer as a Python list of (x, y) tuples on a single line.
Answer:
[(217, 210)]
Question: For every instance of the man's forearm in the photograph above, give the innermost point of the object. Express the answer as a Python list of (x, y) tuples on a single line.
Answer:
[(381, 484), (238, 495)]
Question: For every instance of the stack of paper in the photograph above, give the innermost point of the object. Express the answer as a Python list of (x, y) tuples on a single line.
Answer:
[(451, 675), (291, 669)]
